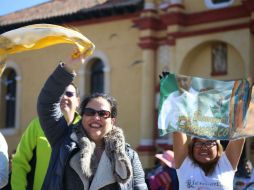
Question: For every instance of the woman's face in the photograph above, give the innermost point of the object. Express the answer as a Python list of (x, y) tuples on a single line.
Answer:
[(95, 125), (205, 151)]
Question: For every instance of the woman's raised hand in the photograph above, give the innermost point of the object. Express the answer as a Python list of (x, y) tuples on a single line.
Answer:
[(74, 61)]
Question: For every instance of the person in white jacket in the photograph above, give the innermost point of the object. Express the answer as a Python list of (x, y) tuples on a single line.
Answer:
[(4, 162)]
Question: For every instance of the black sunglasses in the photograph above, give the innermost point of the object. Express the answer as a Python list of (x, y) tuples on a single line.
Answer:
[(69, 94), (102, 113)]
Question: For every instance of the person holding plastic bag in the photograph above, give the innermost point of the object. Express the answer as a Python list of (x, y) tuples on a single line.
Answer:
[(201, 163)]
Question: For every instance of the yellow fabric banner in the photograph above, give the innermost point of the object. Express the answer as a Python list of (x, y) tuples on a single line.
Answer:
[(39, 36)]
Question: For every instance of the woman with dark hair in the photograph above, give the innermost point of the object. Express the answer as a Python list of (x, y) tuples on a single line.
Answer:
[(202, 164), (93, 154)]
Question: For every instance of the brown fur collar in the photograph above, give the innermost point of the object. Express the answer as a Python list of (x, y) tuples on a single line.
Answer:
[(114, 149)]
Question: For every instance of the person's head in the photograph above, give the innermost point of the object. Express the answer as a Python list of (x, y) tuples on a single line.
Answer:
[(244, 169), (70, 100), (184, 82), (167, 158), (203, 151), (248, 167), (98, 113)]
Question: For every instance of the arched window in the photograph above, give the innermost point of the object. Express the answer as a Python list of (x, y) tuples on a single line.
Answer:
[(8, 98), (94, 76), (97, 76)]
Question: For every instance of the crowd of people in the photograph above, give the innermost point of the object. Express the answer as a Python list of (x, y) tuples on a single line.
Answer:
[(64, 149)]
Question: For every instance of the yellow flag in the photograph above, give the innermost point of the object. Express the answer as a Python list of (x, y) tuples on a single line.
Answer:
[(39, 36)]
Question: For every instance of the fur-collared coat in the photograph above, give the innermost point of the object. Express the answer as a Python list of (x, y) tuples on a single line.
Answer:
[(73, 164)]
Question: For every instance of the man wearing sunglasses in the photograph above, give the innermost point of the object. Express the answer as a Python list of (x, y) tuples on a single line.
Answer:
[(93, 154), (31, 159)]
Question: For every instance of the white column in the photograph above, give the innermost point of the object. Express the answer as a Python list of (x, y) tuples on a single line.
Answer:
[(147, 97)]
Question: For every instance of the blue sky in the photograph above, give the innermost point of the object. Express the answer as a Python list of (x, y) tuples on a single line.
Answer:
[(8, 6)]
